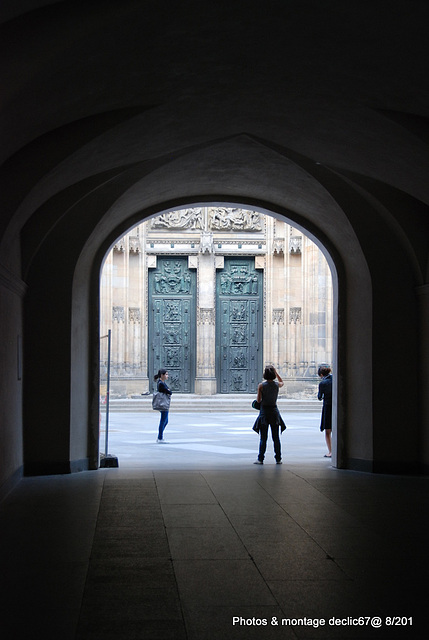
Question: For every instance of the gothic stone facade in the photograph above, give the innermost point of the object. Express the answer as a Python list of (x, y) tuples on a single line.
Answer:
[(213, 294)]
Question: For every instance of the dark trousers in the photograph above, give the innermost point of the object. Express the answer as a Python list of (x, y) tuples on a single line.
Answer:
[(263, 433)]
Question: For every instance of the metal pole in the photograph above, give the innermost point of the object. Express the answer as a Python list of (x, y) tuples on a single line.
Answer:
[(109, 338)]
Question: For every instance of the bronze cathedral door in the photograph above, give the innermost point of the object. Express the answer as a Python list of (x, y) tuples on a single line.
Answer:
[(239, 326), (172, 311)]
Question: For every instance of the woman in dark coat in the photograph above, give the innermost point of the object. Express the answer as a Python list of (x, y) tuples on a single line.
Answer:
[(325, 394), (162, 377), (269, 415)]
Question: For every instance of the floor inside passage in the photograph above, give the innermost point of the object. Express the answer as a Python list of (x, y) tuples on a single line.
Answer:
[(191, 540)]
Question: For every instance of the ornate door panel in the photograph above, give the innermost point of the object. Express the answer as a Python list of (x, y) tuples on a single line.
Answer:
[(239, 326), (172, 323)]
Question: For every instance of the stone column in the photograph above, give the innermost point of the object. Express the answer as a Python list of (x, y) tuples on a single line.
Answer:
[(205, 382), (106, 317), (118, 340), (134, 319), (277, 320), (150, 262)]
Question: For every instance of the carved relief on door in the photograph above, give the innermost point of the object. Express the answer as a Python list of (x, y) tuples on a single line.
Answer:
[(172, 315), (239, 326)]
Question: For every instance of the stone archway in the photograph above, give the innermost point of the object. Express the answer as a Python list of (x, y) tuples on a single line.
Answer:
[(288, 186), (343, 160), (116, 231)]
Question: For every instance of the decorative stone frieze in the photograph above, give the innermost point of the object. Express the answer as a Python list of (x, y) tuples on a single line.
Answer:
[(295, 315), (134, 244), (295, 245), (206, 316), (182, 219), (278, 316), (134, 315), (118, 314), (206, 242), (227, 219), (278, 246), (119, 246)]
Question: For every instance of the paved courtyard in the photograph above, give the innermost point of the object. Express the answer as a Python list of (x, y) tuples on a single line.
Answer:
[(212, 439)]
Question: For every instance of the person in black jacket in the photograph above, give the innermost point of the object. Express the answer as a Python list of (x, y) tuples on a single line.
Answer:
[(269, 415), (162, 376), (325, 394)]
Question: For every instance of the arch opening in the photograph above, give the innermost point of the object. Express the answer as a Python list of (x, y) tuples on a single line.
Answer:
[(238, 260), (291, 194)]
